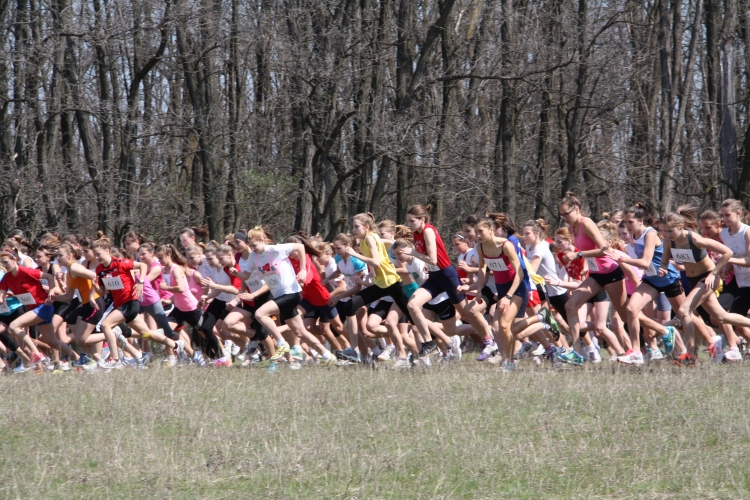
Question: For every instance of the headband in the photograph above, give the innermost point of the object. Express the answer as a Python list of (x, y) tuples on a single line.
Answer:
[(239, 235)]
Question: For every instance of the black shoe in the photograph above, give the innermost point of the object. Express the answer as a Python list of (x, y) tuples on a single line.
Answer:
[(429, 347), (340, 355)]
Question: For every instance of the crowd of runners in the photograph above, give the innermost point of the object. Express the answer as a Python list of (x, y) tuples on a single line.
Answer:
[(629, 289)]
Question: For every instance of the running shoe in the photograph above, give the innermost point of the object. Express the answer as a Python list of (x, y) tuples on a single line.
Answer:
[(296, 353), (129, 362), (198, 359), (110, 364), (429, 347), (402, 363), (273, 367), (65, 366), (538, 351), (654, 355), (231, 347), (524, 350), (668, 340), (280, 352), (37, 358), (331, 361), (91, 365), (455, 347), (594, 355), (425, 361), (509, 366), (572, 358), (685, 360), (489, 348), (170, 361), (81, 361), (225, 361), (733, 355), (388, 353), (546, 316), (716, 349), (350, 355), (447, 357), (21, 368), (105, 351), (294, 365), (632, 357)]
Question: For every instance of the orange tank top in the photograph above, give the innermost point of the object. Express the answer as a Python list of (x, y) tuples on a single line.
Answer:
[(83, 286)]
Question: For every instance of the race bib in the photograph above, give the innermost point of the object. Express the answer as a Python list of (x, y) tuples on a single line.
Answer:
[(432, 269), (44, 282), (593, 266), (349, 282), (682, 255), (651, 271), (4, 309), (273, 281), (113, 283), (496, 265), (166, 278), (26, 299), (254, 284)]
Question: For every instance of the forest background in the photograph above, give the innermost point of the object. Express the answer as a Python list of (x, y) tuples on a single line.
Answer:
[(152, 115)]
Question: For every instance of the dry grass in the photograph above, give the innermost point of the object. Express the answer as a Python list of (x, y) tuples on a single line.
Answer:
[(467, 431)]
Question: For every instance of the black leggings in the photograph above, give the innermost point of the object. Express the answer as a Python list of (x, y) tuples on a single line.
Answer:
[(372, 293), (216, 311)]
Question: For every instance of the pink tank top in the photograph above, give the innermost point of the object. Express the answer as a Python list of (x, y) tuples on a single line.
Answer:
[(597, 265), (194, 287), (184, 301), (150, 293)]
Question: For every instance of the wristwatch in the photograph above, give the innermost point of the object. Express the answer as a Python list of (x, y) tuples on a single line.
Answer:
[(509, 297), (580, 255)]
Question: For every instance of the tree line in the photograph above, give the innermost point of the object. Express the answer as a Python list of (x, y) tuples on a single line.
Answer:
[(152, 115)]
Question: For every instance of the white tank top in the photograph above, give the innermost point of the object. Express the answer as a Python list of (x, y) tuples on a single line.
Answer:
[(738, 246)]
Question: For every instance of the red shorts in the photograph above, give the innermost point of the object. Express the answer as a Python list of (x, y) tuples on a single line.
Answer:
[(534, 298)]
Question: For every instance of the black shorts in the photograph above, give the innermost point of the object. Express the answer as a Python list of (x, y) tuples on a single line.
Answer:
[(445, 280), (741, 303), (325, 313), (489, 296), (192, 318), (671, 290), (130, 310), (287, 305), (521, 291), (444, 310), (609, 278), (87, 313), (558, 302), (601, 296), (62, 309), (696, 280), (542, 292), (380, 309)]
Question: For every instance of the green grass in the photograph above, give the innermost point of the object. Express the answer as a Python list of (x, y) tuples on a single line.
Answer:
[(466, 431)]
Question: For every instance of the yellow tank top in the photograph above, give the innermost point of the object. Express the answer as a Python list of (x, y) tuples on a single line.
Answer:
[(83, 286), (386, 274)]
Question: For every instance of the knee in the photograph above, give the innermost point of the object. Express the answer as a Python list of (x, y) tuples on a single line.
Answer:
[(15, 329), (684, 314)]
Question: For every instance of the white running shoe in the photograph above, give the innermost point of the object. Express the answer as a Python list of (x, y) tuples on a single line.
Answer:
[(594, 355), (654, 355), (632, 357), (733, 355), (402, 364), (456, 347), (538, 351)]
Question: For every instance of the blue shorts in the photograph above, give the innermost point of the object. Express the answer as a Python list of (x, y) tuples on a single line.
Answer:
[(410, 289), (521, 291), (46, 313), (445, 280)]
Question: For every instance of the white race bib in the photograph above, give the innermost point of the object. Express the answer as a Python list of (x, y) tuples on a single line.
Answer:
[(166, 277), (682, 255), (593, 266), (4, 309), (349, 282), (432, 269), (44, 282), (26, 299), (273, 281), (742, 271), (496, 264), (254, 284), (113, 283), (651, 271)]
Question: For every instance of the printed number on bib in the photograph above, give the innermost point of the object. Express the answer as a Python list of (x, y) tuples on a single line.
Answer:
[(26, 299), (593, 266), (349, 282), (651, 271), (683, 255), (432, 269), (44, 282), (4, 309), (496, 265), (113, 283), (167, 279), (273, 281), (254, 284)]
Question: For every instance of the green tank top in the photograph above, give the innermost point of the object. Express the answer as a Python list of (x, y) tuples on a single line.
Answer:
[(386, 274)]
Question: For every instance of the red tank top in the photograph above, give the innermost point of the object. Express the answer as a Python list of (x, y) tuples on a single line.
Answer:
[(501, 268), (443, 260)]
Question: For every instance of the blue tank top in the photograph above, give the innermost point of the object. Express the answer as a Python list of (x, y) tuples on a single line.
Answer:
[(651, 276), (519, 251)]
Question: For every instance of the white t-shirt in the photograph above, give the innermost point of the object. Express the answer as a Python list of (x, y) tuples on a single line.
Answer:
[(276, 269), (219, 277), (255, 281), (349, 268), (547, 266), (738, 246), (417, 270)]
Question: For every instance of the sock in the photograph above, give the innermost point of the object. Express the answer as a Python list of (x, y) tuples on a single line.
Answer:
[(327, 356), (547, 327), (281, 343), (540, 317)]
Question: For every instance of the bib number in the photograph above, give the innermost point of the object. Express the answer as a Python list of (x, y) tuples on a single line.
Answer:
[(254, 284), (432, 269), (651, 271), (44, 282), (349, 282), (593, 266), (682, 255), (113, 283), (26, 299), (496, 265), (273, 281), (4, 309)]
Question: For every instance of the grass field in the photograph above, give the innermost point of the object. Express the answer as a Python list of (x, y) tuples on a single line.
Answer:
[(465, 431)]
